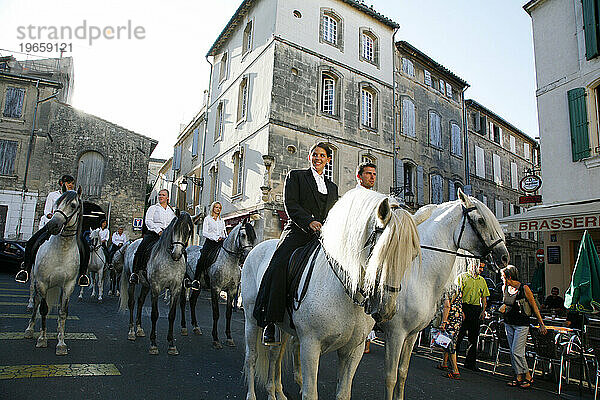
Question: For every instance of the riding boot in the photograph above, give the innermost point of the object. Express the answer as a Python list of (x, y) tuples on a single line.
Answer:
[(134, 279), (83, 281), (268, 338)]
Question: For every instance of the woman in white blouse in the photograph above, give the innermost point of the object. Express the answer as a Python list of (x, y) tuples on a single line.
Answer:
[(213, 230)]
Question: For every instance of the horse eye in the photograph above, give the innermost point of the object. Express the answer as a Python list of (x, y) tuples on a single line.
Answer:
[(481, 221)]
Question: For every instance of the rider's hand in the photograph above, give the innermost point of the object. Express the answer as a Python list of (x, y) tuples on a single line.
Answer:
[(315, 226)]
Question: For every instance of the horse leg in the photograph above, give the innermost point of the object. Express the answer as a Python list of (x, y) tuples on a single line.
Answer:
[(407, 348), (111, 280), (193, 301), (154, 316), (310, 352), (43, 340), (172, 311), (214, 297), (31, 327), (348, 359), (184, 330), (297, 368), (139, 332), (31, 295), (94, 282), (61, 347), (278, 386), (80, 297), (251, 337), (131, 306), (100, 284), (393, 346), (229, 341)]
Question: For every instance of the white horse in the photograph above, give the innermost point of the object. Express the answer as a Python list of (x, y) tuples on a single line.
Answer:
[(222, 275), (465, 224), (57, 266), (366, 248), (165, 269), (118, 260), (97, 266)]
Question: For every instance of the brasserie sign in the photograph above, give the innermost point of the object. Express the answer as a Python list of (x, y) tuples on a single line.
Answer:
[(531, 183)]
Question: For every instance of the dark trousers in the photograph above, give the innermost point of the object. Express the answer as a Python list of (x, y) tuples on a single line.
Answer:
[(38, 238), (203, 262), (143, 251), (470, 327), (271, 298)]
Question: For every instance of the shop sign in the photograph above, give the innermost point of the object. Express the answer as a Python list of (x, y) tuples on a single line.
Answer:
[(573, 222), (531, 183)]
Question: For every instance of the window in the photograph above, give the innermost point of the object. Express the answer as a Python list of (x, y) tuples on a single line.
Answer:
[(408, 67), (513, 144), (479, 162), (484, 200), (497, 134), (368, 47), (408, 117), (368, 107), (578, 118), (238, 172), (448, 90), (8, 154), (214, 174), (435, 129), (242, 110), (13, 104), (436, 189), (427, 78), (514, 178), (331, 28), (176, 158), (223, 69), (219, 121), (499, 208), (90, 173), (527, 151), (442, 86), (408, 178), (453, 186), (247, 39), (455, 139), (328, 94), (497, 169), (195, 140), (590, 25), (329, 167)]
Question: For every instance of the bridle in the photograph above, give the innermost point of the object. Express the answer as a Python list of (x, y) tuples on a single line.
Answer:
[(238, 244), (67, 219), (467, 217)]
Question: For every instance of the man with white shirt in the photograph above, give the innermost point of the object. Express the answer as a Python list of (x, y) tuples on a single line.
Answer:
[(118, 240), (366, 173), (158, 217), (308, 197)]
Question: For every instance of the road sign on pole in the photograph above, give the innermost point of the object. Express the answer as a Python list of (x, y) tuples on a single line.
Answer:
[(539, 255)]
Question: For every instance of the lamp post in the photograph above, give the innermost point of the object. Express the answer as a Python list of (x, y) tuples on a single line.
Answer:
[(409, 196)]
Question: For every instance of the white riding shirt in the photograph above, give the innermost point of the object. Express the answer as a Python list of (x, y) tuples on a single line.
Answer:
[(213, 230), (119, 239), (158, 218), (49, 206)]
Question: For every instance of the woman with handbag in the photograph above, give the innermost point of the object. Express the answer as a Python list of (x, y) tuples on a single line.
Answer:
[(452, 318), (518, 306)]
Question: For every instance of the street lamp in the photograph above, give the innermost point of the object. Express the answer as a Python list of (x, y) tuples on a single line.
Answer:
[(193, 179), (409, 196)]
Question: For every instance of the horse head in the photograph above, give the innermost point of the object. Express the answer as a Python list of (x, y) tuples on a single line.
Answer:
[(246, 239), (180, 231), (480, 232), (94, 238), (68, 207)]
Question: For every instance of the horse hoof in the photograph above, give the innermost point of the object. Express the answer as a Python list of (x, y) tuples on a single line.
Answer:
[(217, 345), (140, 333), (153, 350), (93, 295), (173, 351), (61, 350), (110, 293), (41, 342), (131, 336), (197, 331), (118, 294), (184, 332), (100, 300), (28, 334), (230, 343)]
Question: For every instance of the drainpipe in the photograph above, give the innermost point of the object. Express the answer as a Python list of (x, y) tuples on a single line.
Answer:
[(466, 141), (394, 172), (203, 158)]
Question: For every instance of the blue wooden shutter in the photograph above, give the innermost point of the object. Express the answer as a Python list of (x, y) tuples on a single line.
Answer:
[(420, 191), (195, 142), (8, 153), (590, 26), (13, 107), (580, 142)]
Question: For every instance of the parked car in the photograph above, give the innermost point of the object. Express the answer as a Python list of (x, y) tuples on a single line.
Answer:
[(11, 255)]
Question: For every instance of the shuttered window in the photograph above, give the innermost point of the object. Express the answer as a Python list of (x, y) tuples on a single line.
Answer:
[(13, 104), (451, 190), (435, 129), (479, 162), (527, 151), (513, 144), (427, 77), (195, 140), (497, 169), (408, 67), (448, 90), (408, 117), (90, 173), (436, 189), (420, 190), (442, 86), (499, 205), (238, 173), (8, 154), (514, 178), (580, 142), (455, 140), (590, 27), (177, 158)]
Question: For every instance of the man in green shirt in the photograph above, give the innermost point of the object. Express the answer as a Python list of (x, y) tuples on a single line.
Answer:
[(475, 293)]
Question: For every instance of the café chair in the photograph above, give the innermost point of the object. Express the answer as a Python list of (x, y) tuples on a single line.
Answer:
[(501, 343)]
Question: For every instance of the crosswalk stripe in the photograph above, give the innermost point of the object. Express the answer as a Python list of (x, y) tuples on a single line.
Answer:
[(52, 370), (72, 317), (12, 303), (14, 295), (50, 335), (13, 290)]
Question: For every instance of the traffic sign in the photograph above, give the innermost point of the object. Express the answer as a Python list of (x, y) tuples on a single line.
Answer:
[(539, 255), (137, 224)]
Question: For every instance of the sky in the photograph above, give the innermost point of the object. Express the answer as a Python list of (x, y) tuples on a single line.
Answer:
[(154, 83)]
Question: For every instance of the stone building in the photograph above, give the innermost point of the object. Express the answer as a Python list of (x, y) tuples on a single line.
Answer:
[(429, 142), (286, 75), (499, 156), (46, 139)]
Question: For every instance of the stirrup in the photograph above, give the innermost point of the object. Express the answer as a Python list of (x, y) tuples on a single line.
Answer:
[(195, 285), (134, 279), (19, 278), (84, 281), (275, 340), (187, 283)]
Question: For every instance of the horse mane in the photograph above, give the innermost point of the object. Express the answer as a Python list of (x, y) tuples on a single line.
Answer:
[(349, 223), (250, 231), (183, 223)]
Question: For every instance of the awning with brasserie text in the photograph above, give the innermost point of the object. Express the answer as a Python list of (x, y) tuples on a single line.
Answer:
[(555, 217)]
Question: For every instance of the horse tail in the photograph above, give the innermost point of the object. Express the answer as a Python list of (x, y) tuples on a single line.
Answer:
[(124, 295), (263, 360)]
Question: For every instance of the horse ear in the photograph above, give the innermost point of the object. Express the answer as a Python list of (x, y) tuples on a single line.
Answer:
[(464, 198), (384, 211)]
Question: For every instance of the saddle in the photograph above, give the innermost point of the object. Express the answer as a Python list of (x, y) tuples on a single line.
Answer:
[(299, 261)]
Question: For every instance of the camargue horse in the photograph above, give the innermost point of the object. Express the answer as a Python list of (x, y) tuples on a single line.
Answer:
[(118, 260), (366, 247), (465, 224), (97, 266), (165, 269), (57, 266), (223, 275)]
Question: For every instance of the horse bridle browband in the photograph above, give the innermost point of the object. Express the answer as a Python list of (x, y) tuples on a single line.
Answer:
[(239, 245), (67, 219), (467, 217)]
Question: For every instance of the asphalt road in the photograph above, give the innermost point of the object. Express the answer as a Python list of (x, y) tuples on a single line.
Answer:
[(103, 364)]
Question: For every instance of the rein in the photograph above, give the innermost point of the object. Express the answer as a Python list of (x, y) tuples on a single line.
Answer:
[(67, 219), (239, 245)]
